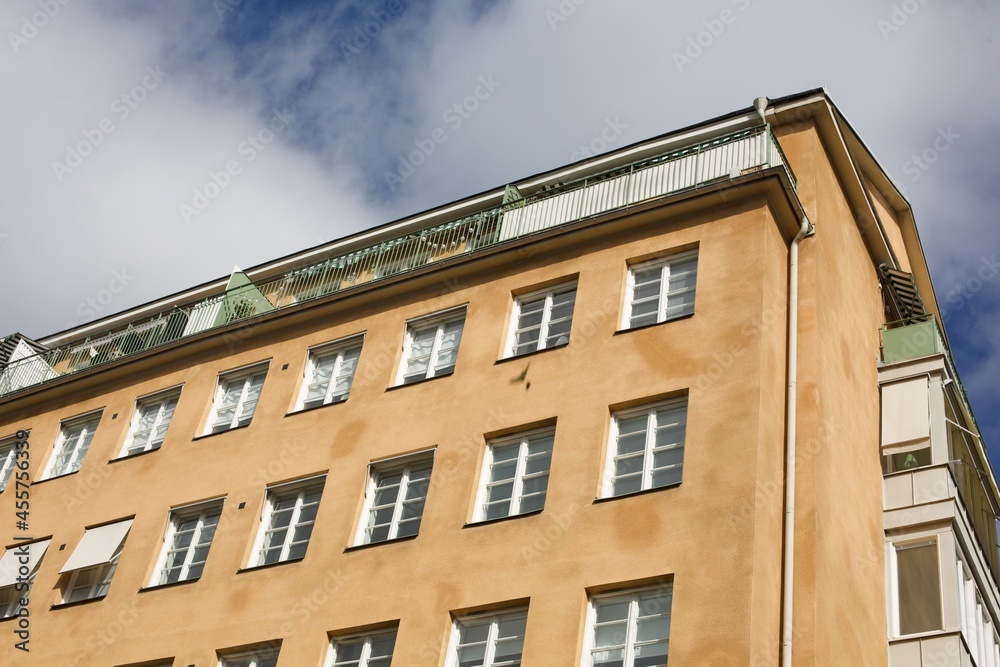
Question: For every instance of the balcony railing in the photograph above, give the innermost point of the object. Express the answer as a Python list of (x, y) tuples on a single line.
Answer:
[(919, 337), (735, 154)]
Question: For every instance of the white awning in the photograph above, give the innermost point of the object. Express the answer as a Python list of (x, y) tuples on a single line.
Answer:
[(12, 561), (98, 546), (905, 412)]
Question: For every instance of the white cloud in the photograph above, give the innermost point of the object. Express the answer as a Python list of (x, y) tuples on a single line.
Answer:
[(560, 83)]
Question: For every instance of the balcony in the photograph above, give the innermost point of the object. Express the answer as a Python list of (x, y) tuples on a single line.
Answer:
[(919, 337), (965, 474), (517, 218)]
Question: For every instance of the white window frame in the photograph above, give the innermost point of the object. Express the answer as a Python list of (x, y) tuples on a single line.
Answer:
[(629, 643), (338, 349), (201, 511), (650, 409), (547, 295), (11, 608), (665, 264), (904, 542), (523, 439), (255, 656), (8, 459), (299, 488), (978, 630), (80, 443), (367, 637), (376, 470), (246, 376), (489, 659), (160, 399), (436, 321), (103, 574)]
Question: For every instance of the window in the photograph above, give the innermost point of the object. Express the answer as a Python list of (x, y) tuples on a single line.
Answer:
[(287, 521), (660, 290), (975, 622), (906, 435), (186, 543), (542, 320), (257, 658), (489, 640), (371, 650), (8, 459), (515, 475), (72, 445), (431, 346), (149, 422), (92, 564), (647, 448), (330, 373), (15, 587), (918, 587), (630, 629), (395, 498), (236, 398)]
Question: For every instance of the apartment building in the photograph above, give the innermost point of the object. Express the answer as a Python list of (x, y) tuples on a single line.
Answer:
[(688, 399)]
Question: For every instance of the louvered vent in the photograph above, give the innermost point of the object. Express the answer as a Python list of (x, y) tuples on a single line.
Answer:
[(902, 299)]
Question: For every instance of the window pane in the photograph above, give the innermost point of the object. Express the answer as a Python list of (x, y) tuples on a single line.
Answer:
[(7, 459), (320, 380), (919, 599), (420, 353), (615, 658)]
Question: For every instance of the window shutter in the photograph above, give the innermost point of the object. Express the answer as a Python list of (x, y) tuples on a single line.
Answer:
[(905, 413)]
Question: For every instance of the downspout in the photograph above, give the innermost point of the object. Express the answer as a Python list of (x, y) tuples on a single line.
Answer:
[(806, 229)]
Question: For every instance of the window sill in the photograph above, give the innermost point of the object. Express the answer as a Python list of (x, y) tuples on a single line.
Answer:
[(637, 493), (269, 565), (49, 479), (128, 457), (413, 384), (64, 605), (488, 522), (317, 407), (212, 435), (170, 585), (530, 354), (923, 635), (653, 324), (360, 547)]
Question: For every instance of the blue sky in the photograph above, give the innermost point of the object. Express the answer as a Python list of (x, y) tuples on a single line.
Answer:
[(315, 102)]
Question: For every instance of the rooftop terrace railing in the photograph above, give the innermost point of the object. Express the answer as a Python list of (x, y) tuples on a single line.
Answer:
[(738, 153)]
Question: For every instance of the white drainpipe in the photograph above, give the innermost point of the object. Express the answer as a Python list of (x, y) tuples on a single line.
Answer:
[(805, 230)]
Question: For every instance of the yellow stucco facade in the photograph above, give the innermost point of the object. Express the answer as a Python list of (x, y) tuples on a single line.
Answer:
[(715, 539)]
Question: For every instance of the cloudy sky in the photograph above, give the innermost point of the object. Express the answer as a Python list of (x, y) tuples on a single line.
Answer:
[(116, 115)]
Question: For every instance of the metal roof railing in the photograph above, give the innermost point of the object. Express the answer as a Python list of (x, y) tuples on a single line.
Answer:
[(723, 157)]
